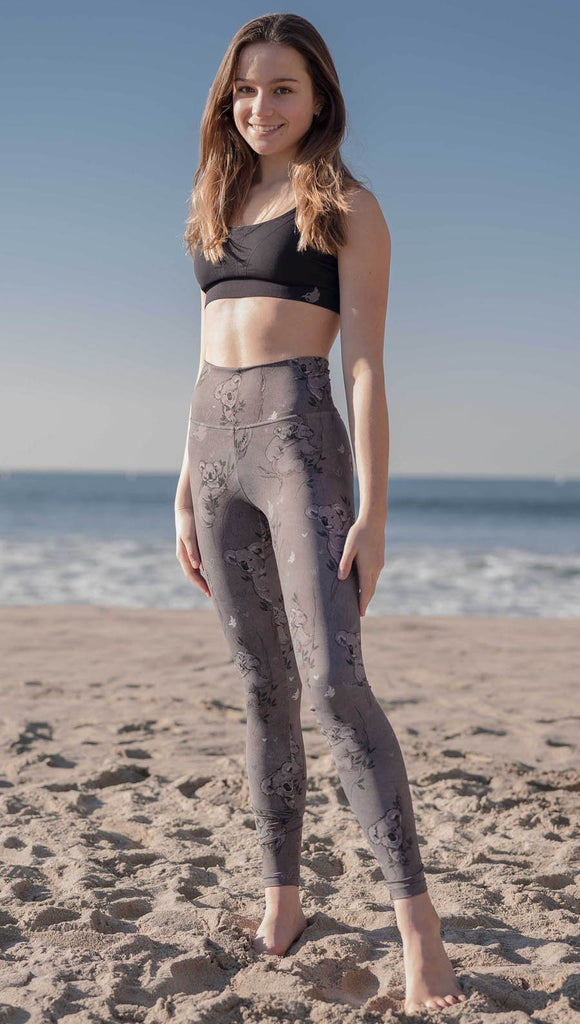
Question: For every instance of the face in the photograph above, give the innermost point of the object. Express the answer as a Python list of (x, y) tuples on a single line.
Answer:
[(272, 89)]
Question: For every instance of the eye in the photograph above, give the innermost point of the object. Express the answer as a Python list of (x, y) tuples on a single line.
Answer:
[(241, 88)]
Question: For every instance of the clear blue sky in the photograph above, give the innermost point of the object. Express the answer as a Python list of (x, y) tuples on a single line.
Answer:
[(462, 118)]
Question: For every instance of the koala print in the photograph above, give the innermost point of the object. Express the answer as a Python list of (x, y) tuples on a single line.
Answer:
[(350, 753), (352, 643), (388, 833), (256, 563), (260, 689), (247, 663), (214, 484), (227, 394), (336, 521), (314, 371), (287, 781), (213, 475), (273, 550), (290, 448)]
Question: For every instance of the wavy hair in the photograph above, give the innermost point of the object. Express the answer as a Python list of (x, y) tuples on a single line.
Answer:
[(321, 182)]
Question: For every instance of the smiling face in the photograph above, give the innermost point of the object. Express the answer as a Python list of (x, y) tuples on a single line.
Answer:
[(272, 90)]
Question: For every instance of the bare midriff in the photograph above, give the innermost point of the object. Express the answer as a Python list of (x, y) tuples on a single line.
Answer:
[(260, 329)]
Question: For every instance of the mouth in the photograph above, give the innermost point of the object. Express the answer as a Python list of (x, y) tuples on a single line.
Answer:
[(260, 129)]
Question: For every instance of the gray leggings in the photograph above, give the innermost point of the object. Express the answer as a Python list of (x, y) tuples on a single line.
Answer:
[(271, 473)]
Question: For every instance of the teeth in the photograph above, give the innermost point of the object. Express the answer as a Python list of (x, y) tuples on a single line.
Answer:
[(271, 128)]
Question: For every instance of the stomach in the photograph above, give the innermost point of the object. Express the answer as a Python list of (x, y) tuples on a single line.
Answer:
[(258, 329)]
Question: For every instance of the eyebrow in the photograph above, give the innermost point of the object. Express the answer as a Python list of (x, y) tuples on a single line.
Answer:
[(271, 80)]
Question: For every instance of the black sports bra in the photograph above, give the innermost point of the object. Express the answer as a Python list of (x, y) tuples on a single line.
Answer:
[(262, 259)]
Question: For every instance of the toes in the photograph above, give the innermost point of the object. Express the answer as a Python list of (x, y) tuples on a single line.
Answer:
[(435, 1003)]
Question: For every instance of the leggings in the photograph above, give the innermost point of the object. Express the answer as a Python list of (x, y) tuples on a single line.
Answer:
[(271, 474)]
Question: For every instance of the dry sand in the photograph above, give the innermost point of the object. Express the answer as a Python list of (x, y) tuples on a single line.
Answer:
[(130, 866)]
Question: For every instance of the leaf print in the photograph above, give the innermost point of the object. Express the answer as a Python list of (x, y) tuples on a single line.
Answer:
[(285, 613)]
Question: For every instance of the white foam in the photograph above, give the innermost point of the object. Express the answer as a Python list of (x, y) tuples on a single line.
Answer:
[(416, 579)]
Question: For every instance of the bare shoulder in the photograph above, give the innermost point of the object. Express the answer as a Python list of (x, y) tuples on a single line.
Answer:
[(365, 218)]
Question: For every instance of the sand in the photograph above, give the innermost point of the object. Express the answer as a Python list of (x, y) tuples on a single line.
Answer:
[(129, 859)]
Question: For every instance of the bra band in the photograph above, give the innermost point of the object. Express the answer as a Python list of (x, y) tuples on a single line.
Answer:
[(263, 259), (237, 288)]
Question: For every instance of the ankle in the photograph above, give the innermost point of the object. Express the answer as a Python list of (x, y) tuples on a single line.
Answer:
[(417, 915), (282, 897)]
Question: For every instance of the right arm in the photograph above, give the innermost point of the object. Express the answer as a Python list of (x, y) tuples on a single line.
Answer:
[(187, 547), (183, 493)]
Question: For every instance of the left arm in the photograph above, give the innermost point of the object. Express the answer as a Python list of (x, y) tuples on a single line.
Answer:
[(364, 267)]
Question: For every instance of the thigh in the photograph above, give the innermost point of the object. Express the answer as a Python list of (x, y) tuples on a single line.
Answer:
[(302, 476), (238, 559)]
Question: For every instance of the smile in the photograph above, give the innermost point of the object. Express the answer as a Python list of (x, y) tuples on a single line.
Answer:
[(265, 129)]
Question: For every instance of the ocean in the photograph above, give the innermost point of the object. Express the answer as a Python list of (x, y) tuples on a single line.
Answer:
[(454, 546)]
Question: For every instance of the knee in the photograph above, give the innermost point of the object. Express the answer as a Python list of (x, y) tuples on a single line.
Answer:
[(338, 663), (337, 702)]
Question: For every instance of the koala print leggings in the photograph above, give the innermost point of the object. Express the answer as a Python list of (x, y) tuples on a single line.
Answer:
[(271, 474)]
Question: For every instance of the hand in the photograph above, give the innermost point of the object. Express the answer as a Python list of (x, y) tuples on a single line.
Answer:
[(187, 551), (365, 542)]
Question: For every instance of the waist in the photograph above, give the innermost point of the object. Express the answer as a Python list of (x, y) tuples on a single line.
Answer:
[(238, 396)]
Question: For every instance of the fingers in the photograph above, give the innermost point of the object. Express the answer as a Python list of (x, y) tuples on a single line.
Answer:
[(367, 580), (345, 564), (195, 576), (190, 561)]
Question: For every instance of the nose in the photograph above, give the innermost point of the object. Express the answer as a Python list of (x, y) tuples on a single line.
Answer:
[(262, 106)]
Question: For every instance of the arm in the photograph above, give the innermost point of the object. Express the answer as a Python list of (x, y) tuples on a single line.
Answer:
[(364, 268), (187, 550), (183, 492)]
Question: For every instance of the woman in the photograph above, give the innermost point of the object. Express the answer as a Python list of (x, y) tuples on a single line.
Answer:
[(287, 247)]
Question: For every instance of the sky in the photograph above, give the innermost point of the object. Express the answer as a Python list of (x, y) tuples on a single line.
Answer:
[(460, 120)]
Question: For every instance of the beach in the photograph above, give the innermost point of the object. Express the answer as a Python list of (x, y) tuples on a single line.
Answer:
[(131, 869)]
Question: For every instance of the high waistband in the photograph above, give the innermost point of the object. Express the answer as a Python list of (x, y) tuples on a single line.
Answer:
[(243, 396)]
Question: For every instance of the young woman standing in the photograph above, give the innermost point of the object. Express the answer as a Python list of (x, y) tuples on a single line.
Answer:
[(288, 247)]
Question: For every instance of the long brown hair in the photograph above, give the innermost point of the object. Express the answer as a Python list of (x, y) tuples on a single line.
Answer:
[(321, 181)]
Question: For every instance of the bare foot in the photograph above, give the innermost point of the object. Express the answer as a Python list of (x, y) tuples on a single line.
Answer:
[(430, 980), (283, 920)]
